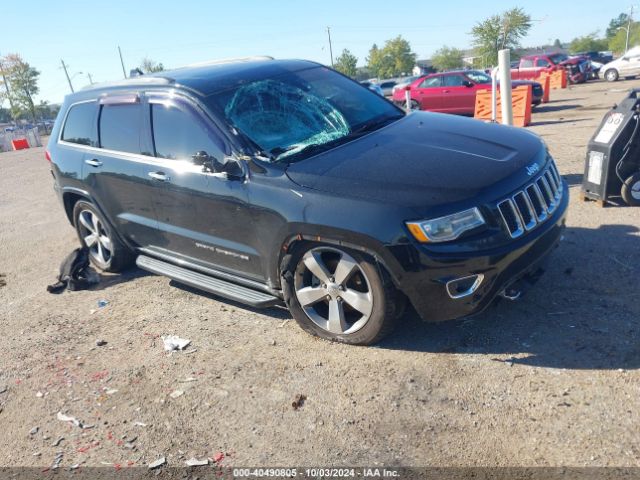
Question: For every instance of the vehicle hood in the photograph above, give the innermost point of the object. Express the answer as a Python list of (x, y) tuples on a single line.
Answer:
[(425, 160)]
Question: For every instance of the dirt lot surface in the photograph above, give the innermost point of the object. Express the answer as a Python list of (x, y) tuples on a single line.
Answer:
[(551, 380)]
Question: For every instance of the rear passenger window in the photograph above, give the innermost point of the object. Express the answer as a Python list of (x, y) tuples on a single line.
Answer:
[(432, 82), (80, 126), (526, 63), (453, 80), (178, 135), (120, 127)]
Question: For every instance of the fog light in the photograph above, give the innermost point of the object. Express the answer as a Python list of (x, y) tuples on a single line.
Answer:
[(464, 286)]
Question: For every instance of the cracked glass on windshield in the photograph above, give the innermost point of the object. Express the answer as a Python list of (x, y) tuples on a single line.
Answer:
[(303, 112)]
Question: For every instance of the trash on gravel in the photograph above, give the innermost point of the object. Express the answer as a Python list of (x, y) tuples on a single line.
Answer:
[(173, 342), (176, 393), (101, 343), (67, 418), (57, 442), (194, 462), (34, 430), (36, 454), (139, 424), (103, 303), (111, 391), (189, 379), (39, 394), (129, 446), (75, 273), (57, 461), (158, 463), (299, 401), (218, 457)]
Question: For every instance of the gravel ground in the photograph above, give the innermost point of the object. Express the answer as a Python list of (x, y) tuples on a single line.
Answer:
[(550, 380)]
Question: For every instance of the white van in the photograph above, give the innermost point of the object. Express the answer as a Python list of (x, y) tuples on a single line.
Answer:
[(626, 66)]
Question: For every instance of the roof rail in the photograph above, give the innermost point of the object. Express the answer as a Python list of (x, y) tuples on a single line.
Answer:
[(140, 80), (229, 60)]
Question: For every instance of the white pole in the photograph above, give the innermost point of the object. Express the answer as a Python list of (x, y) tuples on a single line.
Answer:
[(407, 98), (494, 94), (504, 64)]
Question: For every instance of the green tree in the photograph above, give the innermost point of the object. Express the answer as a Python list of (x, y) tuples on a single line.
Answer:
[(23, 82), (346, 63), (588, 43), (447, 58), (150, 66), (499, 32), (618, 41), (557, 43), (621, 20), (394, 59)]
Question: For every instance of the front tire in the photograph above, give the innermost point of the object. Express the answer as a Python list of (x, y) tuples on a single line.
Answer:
[(631, 190), (106, 251), (611, 75), (339, 294)]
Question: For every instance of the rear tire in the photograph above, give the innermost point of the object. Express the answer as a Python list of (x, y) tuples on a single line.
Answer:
[(611, 75), (106, 251), (339, 294), (631, 190)]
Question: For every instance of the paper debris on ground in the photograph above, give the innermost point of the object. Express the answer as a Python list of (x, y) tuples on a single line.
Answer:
[(176, 393), (158, 463), (173, 342), (194, 462), (67, 418)]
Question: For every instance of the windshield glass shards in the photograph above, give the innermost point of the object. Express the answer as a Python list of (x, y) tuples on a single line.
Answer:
[(299, 113)]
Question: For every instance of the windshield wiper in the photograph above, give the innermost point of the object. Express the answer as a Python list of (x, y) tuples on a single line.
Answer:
[(375, 124)]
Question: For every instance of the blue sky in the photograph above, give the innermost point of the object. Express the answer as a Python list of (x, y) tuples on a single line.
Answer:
[(86, 33)]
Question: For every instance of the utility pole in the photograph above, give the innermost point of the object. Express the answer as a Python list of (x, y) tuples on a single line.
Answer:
[(626, 44), (64, 67), (6, 87), (90, 79), (124, 72), (330, 47)]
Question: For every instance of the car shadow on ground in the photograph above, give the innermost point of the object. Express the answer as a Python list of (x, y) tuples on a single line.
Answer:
[(559, 121), (108, 280), (545, 108), (582, 314)]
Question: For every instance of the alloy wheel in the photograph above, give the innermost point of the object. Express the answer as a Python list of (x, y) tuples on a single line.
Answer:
[(95, 237), (333, 290)]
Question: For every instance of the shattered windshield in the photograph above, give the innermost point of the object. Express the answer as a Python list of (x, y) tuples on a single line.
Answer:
[(303, 112)]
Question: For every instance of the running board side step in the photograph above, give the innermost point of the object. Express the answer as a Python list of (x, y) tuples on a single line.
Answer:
[(209, 284)]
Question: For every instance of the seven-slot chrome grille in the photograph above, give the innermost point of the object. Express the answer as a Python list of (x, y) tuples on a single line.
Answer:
[(532, 205)]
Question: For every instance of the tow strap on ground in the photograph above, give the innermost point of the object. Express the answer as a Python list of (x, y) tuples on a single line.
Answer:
[(75, 273)]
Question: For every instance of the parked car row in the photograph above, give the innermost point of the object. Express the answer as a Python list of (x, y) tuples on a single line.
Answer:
[(578, 67), (454, 92)]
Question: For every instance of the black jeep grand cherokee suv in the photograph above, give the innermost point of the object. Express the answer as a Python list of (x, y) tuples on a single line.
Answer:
[(263, 180)]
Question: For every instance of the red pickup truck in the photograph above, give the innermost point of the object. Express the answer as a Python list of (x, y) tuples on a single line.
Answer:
[(531, 66)]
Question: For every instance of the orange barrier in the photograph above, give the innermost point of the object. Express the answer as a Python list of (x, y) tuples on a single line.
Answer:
[(20, 144), (521, 100), (545, 80), (559, 79)]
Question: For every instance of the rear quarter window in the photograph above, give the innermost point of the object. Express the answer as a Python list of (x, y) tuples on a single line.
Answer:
[(120, 127), (80, 125)]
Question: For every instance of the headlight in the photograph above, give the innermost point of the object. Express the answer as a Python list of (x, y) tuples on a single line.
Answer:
[(446, 228)]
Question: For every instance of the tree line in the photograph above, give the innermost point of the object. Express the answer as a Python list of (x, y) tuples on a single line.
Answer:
[(497, 32)]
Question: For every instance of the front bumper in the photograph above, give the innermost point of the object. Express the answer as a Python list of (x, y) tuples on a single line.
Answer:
[(425, 283)]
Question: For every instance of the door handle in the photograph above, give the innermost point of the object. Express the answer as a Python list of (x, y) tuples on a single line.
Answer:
[(160, 176), (93, 162)]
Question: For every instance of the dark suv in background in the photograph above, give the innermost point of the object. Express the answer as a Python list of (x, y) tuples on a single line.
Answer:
[(265, 181)]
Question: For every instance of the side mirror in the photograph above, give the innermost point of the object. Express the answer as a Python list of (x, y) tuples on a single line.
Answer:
[(467, 83), (229, 167)]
